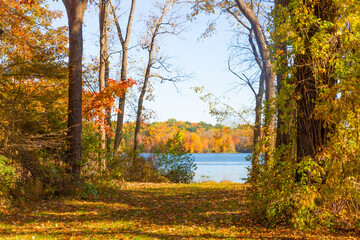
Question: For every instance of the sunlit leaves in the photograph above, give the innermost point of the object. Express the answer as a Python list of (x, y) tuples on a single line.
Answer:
[(323, 56), (33, 90), (95, 103), (152, 211)]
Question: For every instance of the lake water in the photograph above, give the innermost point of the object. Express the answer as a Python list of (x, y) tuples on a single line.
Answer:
[(221, 167)]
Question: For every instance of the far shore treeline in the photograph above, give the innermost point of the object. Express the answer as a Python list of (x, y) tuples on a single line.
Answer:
[(199, 137)]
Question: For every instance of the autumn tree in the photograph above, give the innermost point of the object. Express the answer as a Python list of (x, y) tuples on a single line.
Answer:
[(255, 82), (267, 72), (313, 74), (282, 135), (33, 94), (320, 115), (198, 139)]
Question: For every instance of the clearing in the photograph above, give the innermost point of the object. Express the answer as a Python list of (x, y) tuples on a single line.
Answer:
[(150, 211)]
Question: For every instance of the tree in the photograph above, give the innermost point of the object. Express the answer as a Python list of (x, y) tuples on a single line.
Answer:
[(157, 25), (124, 66), (268, 74), (313, 74), (75, 11), (259, 48), (318, 107), (252, 83), (32, 67), (33, 97), (103, 17)]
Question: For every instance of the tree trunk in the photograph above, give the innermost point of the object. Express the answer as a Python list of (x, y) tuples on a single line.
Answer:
[(312, 132), (140, 103), (269, 126), (124, 66), (75, 12), (120, 119), (108, 111), (102, 70), (257, 129), (151, 48)]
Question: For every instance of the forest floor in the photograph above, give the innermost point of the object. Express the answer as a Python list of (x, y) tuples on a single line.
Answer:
[(150, 211)]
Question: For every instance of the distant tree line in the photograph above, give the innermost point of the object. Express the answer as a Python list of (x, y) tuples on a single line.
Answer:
[(199, 137)]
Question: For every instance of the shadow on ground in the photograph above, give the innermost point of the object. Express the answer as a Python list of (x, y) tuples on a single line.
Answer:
[(150, 211)]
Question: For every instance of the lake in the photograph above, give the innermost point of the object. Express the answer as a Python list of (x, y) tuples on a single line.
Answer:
[(221, 167)]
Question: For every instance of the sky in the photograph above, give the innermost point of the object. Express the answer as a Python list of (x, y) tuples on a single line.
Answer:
[(204, 59)]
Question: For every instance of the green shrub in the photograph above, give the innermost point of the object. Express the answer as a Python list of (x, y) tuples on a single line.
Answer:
[(8, 179), (174, 162)]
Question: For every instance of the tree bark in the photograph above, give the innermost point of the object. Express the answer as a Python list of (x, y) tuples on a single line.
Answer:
[(151, 47), (141, 100), (124, 65), (75, 12), (102, 70), (108, 111)]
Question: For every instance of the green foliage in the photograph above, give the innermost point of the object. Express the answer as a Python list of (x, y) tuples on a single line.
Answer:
[(174, 162), (8, 179), (91, 152), (279, 198), (87, 190)]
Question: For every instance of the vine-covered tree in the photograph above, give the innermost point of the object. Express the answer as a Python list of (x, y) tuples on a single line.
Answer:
[(317, 107)]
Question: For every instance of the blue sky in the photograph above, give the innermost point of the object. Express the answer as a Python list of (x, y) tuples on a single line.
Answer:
[(205, 59)]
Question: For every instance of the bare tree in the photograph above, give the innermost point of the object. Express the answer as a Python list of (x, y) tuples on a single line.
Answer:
[(267, 73), (258, 94), (75, 11), (254, 82), (163, 22), (248, 16), (124, 40)]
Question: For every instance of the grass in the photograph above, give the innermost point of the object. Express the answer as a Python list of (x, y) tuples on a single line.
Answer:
[(150, 211)]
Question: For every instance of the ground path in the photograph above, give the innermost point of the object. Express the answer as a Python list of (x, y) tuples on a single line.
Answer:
[(150, 211)]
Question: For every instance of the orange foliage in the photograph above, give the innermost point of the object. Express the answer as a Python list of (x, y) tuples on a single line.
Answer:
[(199, 137), (95, 103), (33, 74)]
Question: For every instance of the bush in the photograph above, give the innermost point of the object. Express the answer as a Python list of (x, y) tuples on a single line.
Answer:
[(8, 178), (174, 162)]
